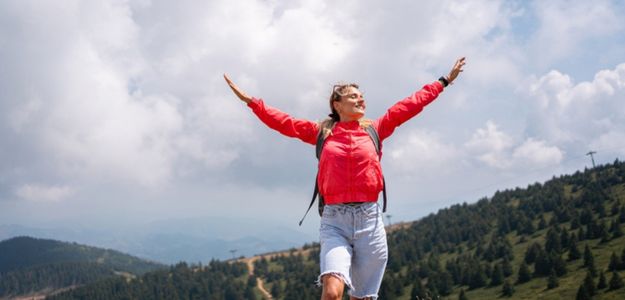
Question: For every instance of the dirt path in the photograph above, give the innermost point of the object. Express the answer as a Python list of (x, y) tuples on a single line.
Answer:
[(250, 266), (259, 282)]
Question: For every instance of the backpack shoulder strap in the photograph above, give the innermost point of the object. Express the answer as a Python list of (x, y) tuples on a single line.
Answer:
[(373, 134), (321, 138)]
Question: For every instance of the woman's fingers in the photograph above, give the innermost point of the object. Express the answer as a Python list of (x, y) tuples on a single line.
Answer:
[(456, 69), (243, 96)]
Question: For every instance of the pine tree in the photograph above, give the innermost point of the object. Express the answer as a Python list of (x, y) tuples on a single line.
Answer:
[(557, 264), (507, 266), (586, 216), (616, 230), (543, 264), (497, 277), (462, 295), (552, 282), (602, 284), (418, 290), (582, 293), (575, 223), (276, 291), (477, 278), (533, 251), (589, 283), (574, 253), (592, 230), (614, 209), (553, 241), (445, 284), (589, 261), (565, 238), (249, 293), (603, 232), (554, 220), (507, 290), (615, 262), (621, 216), (616, 282), (524, 273), (581, 234), (542, 224)]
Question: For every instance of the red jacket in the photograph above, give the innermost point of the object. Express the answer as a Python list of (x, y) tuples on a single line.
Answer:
[(349, 167)]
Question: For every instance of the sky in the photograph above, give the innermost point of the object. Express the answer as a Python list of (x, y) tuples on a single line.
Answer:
[(115, 114)]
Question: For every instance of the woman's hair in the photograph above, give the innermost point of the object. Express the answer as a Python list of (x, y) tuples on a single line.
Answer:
[(338, 90)]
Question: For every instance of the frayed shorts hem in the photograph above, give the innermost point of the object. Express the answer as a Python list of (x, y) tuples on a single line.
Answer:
[(370, 296), (337, 275)]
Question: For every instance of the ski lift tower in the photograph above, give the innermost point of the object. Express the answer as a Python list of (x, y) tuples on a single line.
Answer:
[(592, 158)]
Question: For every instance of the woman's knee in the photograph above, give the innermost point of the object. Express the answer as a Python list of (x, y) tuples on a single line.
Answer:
[(332, 287)]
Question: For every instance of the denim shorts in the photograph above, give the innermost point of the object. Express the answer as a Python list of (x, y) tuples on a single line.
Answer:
[(353, 247)]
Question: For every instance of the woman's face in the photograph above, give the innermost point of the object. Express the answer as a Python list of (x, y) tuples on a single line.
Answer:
[(351, 107)]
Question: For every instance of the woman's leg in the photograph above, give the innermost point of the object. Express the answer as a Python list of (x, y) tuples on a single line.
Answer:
[(370, 253), (332, 287), (335, 254)]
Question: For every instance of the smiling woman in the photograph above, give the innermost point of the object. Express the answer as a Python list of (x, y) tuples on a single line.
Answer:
[(353, 240)]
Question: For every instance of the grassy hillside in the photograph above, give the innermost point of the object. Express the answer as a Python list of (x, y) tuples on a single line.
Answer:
[(477, 249)]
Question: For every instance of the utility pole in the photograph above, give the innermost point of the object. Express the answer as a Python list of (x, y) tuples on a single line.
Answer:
[(592, 158), (389, 219), (233, 251)]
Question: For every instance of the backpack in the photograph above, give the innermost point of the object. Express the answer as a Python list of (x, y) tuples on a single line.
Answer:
[(373, 134)]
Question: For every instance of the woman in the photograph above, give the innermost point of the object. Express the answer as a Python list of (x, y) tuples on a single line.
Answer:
[(352, 236)]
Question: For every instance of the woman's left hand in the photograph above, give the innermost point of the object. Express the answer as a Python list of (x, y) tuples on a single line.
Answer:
[(455, 71)]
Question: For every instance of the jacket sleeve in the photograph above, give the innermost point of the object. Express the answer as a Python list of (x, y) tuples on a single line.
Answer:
[(275, 119), (407, 108)]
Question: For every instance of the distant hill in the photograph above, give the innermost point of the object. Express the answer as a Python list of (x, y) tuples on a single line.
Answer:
[(170, 241), (29, 265)]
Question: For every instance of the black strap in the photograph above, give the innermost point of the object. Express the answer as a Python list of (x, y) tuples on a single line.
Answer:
[(319, 147), (311, 201), (321, 138)]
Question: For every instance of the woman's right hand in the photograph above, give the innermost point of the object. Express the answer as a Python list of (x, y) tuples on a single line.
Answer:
[(455, 71), (242, 95)]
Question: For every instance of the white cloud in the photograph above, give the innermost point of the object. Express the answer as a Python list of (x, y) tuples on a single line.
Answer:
[(491, 145), (537, 153), (499, 150), (44, 193), (421, 152), (610, 142), (564, 111)]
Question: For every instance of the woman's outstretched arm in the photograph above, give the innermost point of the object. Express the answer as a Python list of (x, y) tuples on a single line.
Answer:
[(304, 130), (407, 108)]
